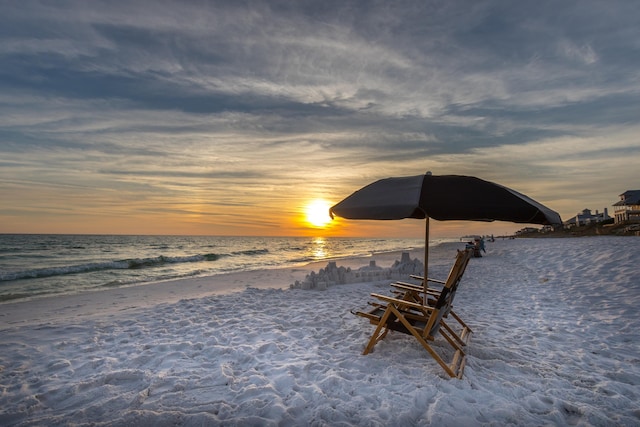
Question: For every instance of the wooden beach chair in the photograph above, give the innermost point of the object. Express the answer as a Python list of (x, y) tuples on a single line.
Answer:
[(415, 292), (409, 315)]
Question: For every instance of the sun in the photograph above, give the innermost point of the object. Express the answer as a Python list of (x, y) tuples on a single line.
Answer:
[(317, 213)]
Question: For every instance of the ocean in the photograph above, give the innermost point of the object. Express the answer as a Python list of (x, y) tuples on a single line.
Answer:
[(34, 266)]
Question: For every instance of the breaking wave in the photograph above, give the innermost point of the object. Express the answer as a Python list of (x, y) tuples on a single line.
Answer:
[(125, 264)]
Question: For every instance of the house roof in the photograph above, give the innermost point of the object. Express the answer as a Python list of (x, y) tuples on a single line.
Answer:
[(630, 197)]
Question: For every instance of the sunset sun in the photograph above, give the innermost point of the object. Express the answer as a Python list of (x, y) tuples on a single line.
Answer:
[(317, 213)]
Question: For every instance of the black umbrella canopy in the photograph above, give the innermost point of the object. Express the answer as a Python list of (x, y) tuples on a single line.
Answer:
[(444, 197)]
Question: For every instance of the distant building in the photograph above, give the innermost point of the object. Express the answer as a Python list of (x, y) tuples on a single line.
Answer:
[(547, 229), (527, 230), (628, 208), (586, 217)]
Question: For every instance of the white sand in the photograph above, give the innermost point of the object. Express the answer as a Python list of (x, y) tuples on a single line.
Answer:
[(556, 342)]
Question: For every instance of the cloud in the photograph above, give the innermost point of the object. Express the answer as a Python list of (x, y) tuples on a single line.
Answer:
[(230, 101)]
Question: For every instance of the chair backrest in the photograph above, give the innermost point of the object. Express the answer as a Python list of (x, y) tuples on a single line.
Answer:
[(444, 302), (456, 273)]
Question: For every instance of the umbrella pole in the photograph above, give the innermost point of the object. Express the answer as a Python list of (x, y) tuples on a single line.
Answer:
[(426, 261)]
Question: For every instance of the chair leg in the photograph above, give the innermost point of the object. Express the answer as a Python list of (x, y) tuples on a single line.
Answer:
[(459, 320), (459, 357), (455, 369), (422, 341), (459, 338), (377, 336), (463, 336)]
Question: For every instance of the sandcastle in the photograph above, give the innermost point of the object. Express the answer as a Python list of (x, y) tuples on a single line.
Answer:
[(333, 275)]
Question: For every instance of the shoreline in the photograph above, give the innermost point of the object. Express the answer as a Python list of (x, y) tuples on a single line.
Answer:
[(57, 308), (127, 299), (41, 266)]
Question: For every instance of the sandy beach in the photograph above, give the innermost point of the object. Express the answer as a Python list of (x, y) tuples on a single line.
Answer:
[(555, 342)]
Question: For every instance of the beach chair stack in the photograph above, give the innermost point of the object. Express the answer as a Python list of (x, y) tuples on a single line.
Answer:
[(425, 315)]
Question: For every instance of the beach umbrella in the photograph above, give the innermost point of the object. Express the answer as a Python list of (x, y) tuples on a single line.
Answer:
[(443, 197)]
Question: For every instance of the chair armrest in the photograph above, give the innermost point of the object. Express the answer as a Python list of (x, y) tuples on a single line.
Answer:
[(408, 285), (392, 300), (414, 288), (413, 276)]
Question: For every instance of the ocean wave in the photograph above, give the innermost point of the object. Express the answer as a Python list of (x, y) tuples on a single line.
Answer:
[(126, 264), (42, 265), (252, 252), (15, 296)]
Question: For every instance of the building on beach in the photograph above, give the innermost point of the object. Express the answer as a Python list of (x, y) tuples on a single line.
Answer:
[(586, 217), (628, 208)]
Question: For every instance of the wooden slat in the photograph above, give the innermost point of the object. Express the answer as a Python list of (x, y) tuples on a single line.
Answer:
[(401, 302), (413, 276), (409, 287)]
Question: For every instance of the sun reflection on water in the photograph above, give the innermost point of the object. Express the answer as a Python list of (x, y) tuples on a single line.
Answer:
[(319, 248)]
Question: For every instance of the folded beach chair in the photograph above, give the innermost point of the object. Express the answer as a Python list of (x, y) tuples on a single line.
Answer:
[(408, 314)]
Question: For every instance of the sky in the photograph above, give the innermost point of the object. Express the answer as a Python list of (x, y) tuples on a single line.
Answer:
[(229, 117)]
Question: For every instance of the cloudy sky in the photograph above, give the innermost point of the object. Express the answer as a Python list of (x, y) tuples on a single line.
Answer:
[(228, 117)]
